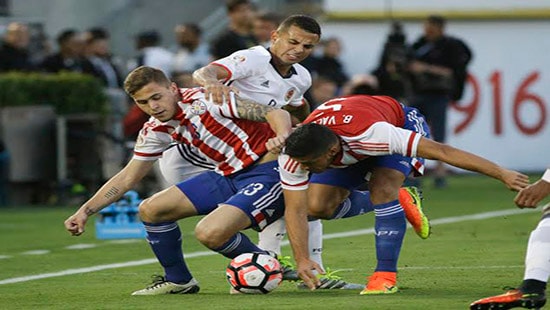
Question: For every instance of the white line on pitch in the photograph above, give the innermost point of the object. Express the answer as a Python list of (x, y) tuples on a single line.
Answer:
[(447, 220)]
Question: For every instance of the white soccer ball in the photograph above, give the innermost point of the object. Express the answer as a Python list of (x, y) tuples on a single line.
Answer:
[(254, 273)]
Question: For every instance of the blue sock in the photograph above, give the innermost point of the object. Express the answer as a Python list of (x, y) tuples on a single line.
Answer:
[(357, 203), (237, 245), (165, 240), (390, 229)]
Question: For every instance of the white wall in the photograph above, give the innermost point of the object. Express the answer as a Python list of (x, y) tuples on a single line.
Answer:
[(354, 5), (514, 50)]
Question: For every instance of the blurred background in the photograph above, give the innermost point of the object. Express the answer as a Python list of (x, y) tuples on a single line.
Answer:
[(66, 125)]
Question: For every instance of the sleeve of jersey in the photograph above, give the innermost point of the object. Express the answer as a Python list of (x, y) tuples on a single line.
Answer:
[(292, 176), (150, 144), (239, 64), (384, 138)]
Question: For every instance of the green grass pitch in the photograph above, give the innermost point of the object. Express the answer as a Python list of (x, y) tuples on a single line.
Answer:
[(464, 259)]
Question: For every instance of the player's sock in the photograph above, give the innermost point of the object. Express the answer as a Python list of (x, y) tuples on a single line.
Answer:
[(390, 229), (357, 203), (237, 245), (165, 240), (537, 265), (316, 241), (270, 237)]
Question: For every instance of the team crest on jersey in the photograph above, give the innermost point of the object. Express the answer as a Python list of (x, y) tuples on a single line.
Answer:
[(198, 107), (289, 94)]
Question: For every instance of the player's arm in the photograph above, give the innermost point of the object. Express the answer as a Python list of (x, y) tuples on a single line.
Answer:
[(209, 77), (278, 119), (110, 192), (298, 113), (433, 150), (297, 231)]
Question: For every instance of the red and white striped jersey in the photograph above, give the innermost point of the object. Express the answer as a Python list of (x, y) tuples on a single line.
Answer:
[(367, 126), (231, 143), (251, 72)]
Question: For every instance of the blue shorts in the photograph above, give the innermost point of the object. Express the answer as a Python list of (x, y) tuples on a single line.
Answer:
[(256, 190), (355, 175)]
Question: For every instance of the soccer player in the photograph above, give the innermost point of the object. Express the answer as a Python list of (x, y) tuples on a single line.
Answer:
[(371, 137), (242, 192), (274, 76), (531, 293)]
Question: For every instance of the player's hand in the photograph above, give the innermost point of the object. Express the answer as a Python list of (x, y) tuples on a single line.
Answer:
[(75, 223), (305, 272), (275, 145), (218, 93), (530, 196), (514, 180)]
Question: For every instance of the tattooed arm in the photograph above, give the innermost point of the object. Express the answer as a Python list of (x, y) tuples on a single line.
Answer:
[(278, 119), (110, 192)]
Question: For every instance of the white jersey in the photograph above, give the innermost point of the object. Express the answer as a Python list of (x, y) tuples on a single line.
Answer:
[(251, 72), (231, 143)]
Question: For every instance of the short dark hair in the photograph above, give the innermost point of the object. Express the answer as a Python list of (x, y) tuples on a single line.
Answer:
[(141, 76), (232, 5), (304, 22), (310, 140), (437, 20)]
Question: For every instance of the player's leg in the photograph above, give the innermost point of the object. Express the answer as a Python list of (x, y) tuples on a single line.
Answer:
[(390, 227), (257, 201), (159, 213), (531, 293)]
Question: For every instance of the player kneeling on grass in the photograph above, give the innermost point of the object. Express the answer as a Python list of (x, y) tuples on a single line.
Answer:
[(363, 136)]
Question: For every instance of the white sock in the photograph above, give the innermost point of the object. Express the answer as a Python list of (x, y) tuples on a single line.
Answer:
[(316, 241), (271, 236), (537, 259)]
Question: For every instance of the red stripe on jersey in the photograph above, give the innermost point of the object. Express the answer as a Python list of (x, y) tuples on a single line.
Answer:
[(230, 74), (147, 154), (295, 185), (188, 93), (226, 135), (410, 144), (369, 146), (418, 165), (291, 165)]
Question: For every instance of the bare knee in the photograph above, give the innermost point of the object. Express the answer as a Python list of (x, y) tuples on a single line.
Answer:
[(383, 194), (148, 212), (211, 236), (323, 200)]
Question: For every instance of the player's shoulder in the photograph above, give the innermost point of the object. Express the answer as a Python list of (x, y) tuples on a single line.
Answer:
[(302, 73), (256, 53)]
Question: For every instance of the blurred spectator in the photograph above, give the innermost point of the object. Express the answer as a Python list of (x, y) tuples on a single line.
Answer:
[(438, 71), (322, 89), (98, 53), (328, 63), (392, 74), (239, 35), (191, 53), (70, 56), (361, 84), (265, 24), (151, 53), (14, 54)]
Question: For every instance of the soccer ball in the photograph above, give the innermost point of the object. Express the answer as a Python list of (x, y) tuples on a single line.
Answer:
[(254, 273)]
